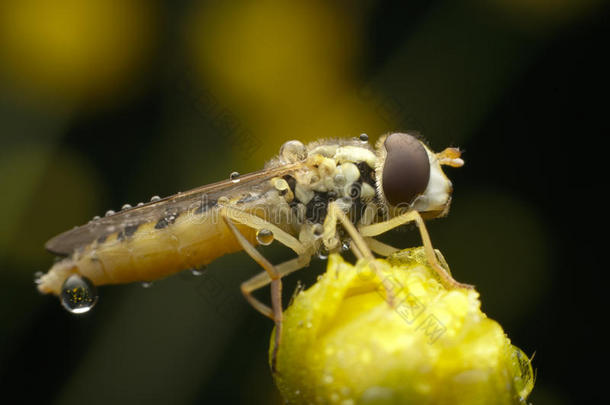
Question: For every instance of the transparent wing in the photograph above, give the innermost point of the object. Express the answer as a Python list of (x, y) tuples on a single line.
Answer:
[(200, 198)]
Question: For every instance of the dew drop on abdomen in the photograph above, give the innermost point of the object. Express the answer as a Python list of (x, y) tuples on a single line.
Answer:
[(78, 294), (234, 176), (198, 271)]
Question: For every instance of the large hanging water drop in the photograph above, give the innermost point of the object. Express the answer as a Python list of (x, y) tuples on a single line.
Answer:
[(264, 237), (78, 294)]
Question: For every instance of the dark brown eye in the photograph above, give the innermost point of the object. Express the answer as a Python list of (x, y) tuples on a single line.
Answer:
[(406, 170)]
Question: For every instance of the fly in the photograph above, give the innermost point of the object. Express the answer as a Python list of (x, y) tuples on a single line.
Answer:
[(323, 197)]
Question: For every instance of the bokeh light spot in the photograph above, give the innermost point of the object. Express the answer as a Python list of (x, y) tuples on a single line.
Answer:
[(68, 50)]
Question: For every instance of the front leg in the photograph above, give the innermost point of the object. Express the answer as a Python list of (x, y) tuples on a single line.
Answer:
[(414, 216), (380, 248)]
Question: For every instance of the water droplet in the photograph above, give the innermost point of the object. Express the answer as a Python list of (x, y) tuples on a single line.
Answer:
[(140, 204), (78, 294), (345, 245), (109, 212), (323, 253), (37, 277), (126, 206), (292, 152), (95, 218), (264, 237), (198, 271), (155, 198), (234, 177), (147, 284), (364, 138)]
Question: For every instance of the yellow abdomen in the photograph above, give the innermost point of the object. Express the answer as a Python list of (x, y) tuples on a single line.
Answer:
[(151, 251)]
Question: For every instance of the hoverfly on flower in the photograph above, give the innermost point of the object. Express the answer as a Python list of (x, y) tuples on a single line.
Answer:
[(315, 199)]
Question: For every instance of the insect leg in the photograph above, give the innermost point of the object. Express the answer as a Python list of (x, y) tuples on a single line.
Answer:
[(263, 278), (379, 247), (275, 312), (414, 216), (258, 223), (386, 250), (335, 214), (358, 245)]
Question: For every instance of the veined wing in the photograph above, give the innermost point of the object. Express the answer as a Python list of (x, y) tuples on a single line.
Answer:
[(200, 198)]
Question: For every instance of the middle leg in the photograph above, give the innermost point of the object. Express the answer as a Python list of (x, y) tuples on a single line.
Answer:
[(359, 245)]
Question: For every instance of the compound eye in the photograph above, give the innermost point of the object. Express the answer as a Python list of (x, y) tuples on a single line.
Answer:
[(406, 170)]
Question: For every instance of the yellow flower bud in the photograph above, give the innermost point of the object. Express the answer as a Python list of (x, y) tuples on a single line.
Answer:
[(342, 343)]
